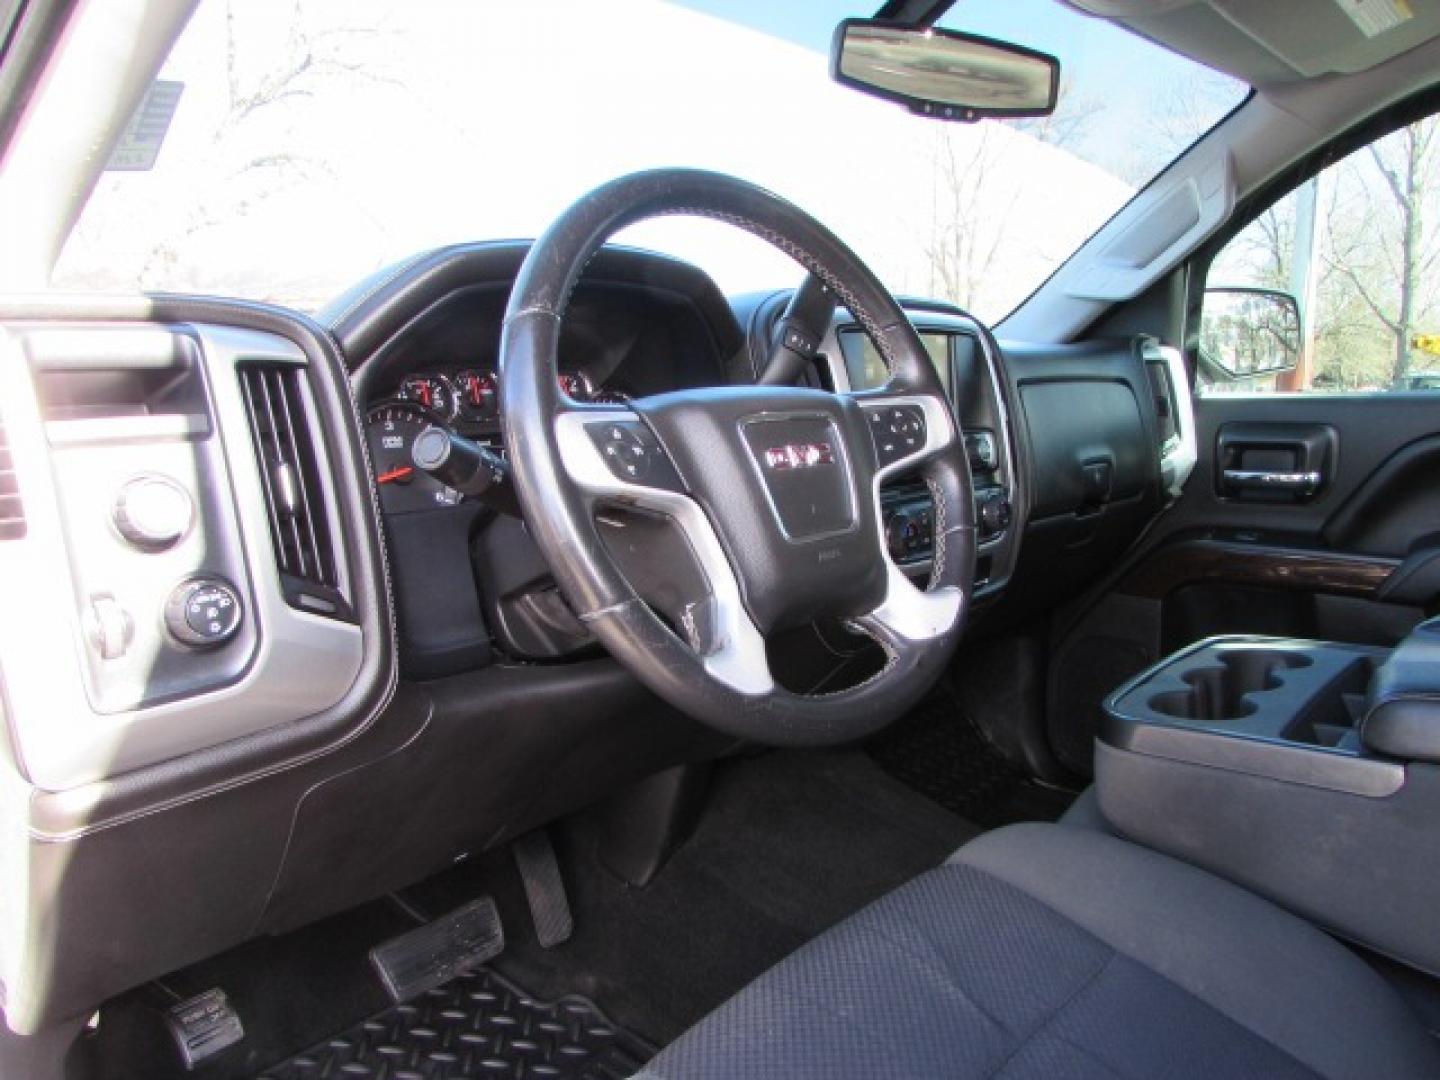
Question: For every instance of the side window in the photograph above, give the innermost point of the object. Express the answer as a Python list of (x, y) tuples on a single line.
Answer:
[(1336, 287)]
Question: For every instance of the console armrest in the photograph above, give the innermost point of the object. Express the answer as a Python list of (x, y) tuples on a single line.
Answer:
[(1402, 708), (1273, 763)]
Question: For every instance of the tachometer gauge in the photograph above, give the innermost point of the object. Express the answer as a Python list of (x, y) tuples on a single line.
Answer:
[(477, 395), (433, 393), (391, 429)]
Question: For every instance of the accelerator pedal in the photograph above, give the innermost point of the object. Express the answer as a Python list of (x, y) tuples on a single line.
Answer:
[(544, 888)]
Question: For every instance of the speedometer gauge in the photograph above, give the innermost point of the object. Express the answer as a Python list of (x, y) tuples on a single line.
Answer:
[(391, 429)]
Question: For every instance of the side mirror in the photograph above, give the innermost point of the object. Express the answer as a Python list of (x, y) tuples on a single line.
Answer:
[(943, 73), (1248, 333)]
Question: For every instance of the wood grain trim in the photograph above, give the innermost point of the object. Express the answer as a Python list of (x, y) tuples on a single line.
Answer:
[(1192, 562)]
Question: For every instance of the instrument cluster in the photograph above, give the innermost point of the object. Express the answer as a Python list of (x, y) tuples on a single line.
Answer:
[(472, 395), (466, 401)]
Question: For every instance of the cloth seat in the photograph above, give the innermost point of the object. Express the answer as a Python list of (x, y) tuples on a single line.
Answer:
[(1052, 951)]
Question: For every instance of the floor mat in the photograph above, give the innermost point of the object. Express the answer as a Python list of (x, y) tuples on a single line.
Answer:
[(791, 843), (941, 753), (478, 1025)]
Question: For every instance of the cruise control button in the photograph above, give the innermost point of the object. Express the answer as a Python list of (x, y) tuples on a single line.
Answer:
[(898, 431), (632, 454)]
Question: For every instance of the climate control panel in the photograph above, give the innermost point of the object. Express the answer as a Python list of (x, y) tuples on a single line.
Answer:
[(909, 520)]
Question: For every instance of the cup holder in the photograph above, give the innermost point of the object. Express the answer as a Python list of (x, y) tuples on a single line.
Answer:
[(1222, 691)]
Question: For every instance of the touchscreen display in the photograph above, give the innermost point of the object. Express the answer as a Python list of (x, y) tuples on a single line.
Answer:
[(867, 370)]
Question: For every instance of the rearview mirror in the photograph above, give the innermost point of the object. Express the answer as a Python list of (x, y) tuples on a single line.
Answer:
[(943, 73), (1245, 333)]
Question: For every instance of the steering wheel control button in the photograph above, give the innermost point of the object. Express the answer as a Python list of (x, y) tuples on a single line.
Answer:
[(152, 512), (897, 430), (798, 340), (203, 612), (633, 454)]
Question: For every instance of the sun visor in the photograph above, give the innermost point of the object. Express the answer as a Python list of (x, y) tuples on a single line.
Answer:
[(1279, 41)]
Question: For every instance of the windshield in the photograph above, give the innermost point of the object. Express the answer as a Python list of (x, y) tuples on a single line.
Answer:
[(313, 142)]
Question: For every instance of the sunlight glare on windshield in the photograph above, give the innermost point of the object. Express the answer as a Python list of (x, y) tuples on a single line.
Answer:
[(317, 141)]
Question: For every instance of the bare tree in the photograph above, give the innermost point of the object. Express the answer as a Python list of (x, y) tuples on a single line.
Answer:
[(294, 68), (966, 239), (1391, 245), (1069, 125)]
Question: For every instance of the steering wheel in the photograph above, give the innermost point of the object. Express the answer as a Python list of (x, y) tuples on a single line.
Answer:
[(776, 489)]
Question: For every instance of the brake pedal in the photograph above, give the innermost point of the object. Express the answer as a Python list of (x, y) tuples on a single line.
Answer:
[(433, 954), (544, 888)]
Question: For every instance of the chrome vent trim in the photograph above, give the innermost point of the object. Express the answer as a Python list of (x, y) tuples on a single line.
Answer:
[(12, 509), (1180, 452), (290, 473)]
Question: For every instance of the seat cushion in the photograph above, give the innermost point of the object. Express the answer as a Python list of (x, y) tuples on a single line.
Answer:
[(1084, 813), (1043, 950)]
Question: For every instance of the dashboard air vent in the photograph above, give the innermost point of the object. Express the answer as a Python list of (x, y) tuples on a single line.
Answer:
[(12, 511), (290, 473)]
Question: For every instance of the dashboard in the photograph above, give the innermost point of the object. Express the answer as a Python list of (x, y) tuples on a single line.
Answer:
[(190, 778)]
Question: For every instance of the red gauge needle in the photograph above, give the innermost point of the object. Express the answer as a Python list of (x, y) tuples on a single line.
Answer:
[(395, 474), (427, 396)]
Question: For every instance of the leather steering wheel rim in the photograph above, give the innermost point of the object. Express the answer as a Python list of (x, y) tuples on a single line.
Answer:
[(712, 674)]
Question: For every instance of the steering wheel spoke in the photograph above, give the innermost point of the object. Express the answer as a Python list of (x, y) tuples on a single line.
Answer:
[(911, 614), (610, 453), (613, 457), (905, 429)]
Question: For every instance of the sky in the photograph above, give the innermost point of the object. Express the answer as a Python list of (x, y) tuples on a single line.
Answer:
[(426, 122), (1100, 62)]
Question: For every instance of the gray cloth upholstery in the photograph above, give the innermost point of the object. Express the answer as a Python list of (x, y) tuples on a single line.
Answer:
[(1041, 951), (1084, 813)]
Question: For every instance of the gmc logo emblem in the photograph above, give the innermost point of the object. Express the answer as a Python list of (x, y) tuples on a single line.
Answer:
[(799, 456)]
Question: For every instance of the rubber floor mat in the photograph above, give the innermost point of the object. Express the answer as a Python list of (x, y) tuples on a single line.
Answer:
[(940, 752), (476, 1026)]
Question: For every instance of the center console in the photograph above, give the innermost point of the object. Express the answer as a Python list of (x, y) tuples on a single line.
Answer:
[(970, 368), (1304, 770)]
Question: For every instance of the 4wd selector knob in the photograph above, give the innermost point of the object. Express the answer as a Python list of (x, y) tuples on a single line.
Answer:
[(203, 612), (153, 512)]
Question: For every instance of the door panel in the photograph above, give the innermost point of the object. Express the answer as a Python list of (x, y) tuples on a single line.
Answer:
[(1368, 431), (1354, 558)]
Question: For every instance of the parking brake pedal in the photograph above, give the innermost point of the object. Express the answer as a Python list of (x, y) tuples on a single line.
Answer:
[(544, 888), (203, 1025), (437, 952)]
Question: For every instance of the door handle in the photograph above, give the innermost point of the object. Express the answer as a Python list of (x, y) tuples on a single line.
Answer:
[(1295, 483)]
